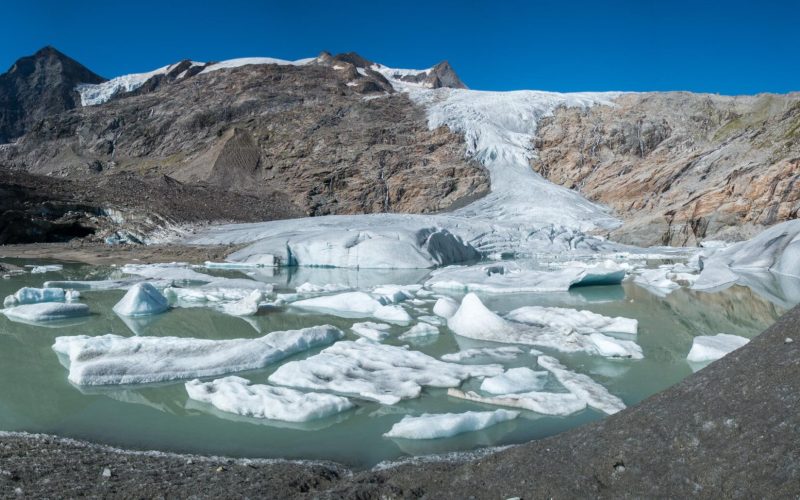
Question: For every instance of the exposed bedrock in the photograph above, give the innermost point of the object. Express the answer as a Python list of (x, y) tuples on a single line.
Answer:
[(680, 167), (325, 137)]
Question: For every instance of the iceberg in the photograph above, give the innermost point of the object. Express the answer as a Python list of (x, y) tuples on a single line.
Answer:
[(354, 305), (100, 284), (419, 330), (246, 306), (583, 322), (174, 271), (509, 278), (28, 295), (378, 372), (594, 394), (239, 396), (503, 353), (46, 269), (515, 380), (445, 307), (143, 299), (656, 281), (112, 359), (474, 320), (372, 331), (545, 403), (434, 426), (46, 311), (309, 288), (712, 347)]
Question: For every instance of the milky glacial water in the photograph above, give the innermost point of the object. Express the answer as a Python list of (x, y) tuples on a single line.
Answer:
[(35, 395)]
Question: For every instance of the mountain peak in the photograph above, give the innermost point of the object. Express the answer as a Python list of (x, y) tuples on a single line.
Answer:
[(37, 86)]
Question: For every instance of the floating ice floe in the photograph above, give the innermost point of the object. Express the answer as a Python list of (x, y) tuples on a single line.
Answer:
[(394, 294), (378, 372), (545, 403), (713, 347), (502, 353), (509, 278), (656, 281), (445, 307), (101, 284), (143, 299), (433, 426), (326, 288), (431, 320), (594, 394), (474, 320), (372, 331), (264, 260), (46, 311), (354, 305), (583, 322), (776, 249), (246, 306), (112, 359), (46, 268), (28, 295), (515, 380), (239, 396), (419, 330), (368, 248), (174, 271)]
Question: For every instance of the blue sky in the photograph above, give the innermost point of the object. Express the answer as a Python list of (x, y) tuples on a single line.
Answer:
[(732, 47)]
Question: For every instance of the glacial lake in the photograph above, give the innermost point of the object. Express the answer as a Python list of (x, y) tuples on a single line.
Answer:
[(35, 395)]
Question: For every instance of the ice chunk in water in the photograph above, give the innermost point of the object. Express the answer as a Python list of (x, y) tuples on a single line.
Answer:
[(583, 322), (46, 311), (378, 372), (433, 426), (713, 347), (372, 331), (594, 394), (112, 359), (546, 403), (445, 307), (247, 306), (46, 269), (420, 330), (354, 304), (28, 295), (142, 299), (237, 395), (515, 380), (504, 353)]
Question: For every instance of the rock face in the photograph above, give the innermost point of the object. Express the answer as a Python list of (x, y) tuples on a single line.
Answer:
[(330, 137), (38, 86), (680, 167)]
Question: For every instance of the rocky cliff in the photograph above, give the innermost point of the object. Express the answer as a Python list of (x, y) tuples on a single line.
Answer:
[(680, 167), (329, 137)]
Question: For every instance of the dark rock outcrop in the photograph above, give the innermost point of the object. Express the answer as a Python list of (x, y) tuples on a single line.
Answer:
[(37, 87)]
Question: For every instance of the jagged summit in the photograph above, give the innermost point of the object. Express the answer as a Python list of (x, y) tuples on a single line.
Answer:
[(37, 86)]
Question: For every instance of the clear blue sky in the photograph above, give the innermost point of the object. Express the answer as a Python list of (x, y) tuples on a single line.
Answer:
[(728, 47)]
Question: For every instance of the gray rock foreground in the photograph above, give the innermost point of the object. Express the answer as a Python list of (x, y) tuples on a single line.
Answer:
[(730, 430)]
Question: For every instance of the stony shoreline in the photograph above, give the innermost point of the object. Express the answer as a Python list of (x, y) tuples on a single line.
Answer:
[(730, 430)]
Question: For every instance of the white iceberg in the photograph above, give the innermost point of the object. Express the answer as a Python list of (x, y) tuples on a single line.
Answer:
[(246, 306), (434, 426), (112, 359), (419, 330), (29, 295), (594, 394), (445, 307), (502, 353), (308, 288), (372, 331), (239, 396), (174, 271), (46, 269), (657, 281), (46, 311), (101, 284), (510, 278), (545, 403), (378, 372), (712, 347), (392, 314), (394, 294), (515, 380), (583, 322), (474, 320), (143, 299), (354, 305)]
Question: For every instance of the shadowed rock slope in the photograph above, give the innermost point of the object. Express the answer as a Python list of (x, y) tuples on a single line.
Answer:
[(680, 167), (731, 430)]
